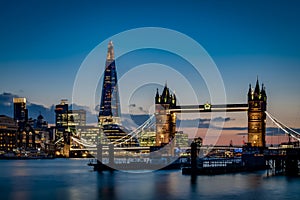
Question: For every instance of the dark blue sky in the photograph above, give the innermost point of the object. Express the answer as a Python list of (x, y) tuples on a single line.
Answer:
[(42, 43)]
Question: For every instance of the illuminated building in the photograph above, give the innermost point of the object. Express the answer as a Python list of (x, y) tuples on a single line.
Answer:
[(165, 120), (26, 134), (89, 133), (8, 133), (61, 127), (76, 118), (181, 139), (110, 103), (257, 101), (43, 134), (20, 110), (66, 120), (147, 139), (61, 114), (40, 123), (109, 114), (26, 137)]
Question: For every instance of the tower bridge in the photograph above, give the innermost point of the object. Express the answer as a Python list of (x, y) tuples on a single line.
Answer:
[(166, 110)]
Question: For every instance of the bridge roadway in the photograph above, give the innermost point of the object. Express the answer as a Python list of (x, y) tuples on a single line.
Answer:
[(210, 108), (105, 147)]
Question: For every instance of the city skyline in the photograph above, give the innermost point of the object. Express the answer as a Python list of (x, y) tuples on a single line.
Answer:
[(44, 44), (149, 99)]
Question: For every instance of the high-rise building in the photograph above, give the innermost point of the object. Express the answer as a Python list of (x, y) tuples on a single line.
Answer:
[(26, 134), (110, 103), (257, 102), (77, 118), (20, 110), (66, 118), (67, 121), (61, 114), (109, 114)]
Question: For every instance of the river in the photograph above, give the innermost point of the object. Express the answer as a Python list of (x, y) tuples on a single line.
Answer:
[(70, 179)]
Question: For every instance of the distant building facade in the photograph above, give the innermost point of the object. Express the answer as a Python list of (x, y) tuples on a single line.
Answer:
[(148, 139), (8, 134), (66, 123), (90, 134), (181, 139), (26, 134), (43, 134)]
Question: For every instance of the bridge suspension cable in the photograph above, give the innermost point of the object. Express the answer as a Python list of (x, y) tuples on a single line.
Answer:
[(79, 141), (283, 127), (137, 133), (60, 139)]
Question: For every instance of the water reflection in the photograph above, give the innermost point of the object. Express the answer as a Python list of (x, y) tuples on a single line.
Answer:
[(106, 185), (73, 179)]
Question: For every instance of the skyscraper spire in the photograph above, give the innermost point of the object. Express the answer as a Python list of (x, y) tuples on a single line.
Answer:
[(110, 52)]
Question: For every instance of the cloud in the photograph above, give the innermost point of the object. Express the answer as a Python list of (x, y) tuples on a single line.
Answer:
[(142, 109), (273, 131), (201, 123), (242, 134), (235, 128), (221, 119)]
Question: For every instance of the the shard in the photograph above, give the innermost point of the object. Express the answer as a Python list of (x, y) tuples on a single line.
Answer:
[(110, 103)]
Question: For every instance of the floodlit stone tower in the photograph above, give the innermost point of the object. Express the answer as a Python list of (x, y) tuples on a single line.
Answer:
[(165, 120), (257, 102)]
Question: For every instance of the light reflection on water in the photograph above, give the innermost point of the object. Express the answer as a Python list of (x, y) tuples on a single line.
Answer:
[(73, 179)]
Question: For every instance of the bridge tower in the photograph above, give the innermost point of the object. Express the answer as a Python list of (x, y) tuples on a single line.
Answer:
[(257, 102), (165, 120)]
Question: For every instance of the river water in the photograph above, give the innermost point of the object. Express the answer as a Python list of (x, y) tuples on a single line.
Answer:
[(70, 179)]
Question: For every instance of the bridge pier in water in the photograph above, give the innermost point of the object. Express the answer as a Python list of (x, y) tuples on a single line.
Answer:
[(283, 161), (111, 156)]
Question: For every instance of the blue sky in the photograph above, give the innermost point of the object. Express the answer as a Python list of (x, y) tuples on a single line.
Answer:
[(43, 43)]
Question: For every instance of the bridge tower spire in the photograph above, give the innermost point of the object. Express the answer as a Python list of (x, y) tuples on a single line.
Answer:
[(110, 102), (257, 105)]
